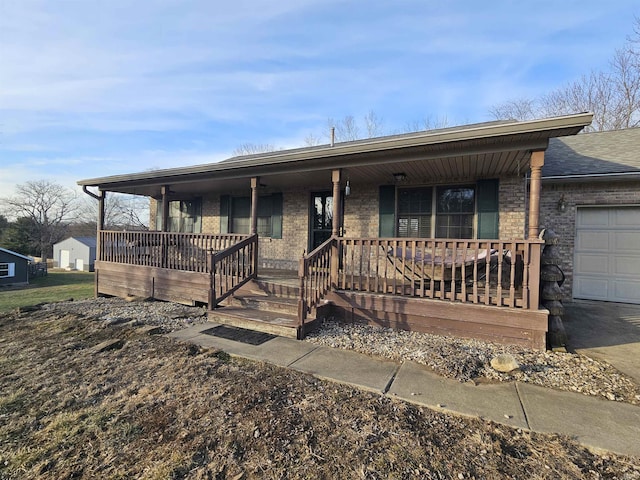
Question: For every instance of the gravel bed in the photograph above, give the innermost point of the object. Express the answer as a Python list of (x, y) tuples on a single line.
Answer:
[(469, 360), (113, 311), (461, 359)]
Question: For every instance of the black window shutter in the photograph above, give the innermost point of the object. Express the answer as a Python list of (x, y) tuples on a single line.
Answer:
[(225, 205), (387, 211), (276, 215), (488, 209)]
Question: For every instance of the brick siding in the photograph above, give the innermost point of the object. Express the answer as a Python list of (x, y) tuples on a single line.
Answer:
[(576, 195)]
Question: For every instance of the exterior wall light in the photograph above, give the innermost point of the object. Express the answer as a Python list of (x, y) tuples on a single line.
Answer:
[(400, 176), (562, 204), (347, 189)]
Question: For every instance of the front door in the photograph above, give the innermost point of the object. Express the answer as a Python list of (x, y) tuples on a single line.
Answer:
[(321, 215)]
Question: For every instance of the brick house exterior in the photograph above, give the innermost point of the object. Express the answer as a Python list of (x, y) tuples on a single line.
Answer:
[(599, 169), (432, 231)]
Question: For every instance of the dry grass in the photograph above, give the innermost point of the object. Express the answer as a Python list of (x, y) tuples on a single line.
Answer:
[(155, 408)]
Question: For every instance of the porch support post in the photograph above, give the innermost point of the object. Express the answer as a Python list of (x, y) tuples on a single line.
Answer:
[(99, 227), (335, 178), (164, 227), (255, 181), (537, 161), (335, 230)]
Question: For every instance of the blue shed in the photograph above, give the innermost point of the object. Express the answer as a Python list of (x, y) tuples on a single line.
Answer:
[(14, 268)]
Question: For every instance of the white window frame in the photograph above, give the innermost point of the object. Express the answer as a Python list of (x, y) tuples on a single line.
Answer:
[(9, 268)]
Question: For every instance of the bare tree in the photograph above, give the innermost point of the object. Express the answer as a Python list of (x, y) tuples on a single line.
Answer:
[(48, 205), (346, 129), (427, 123), (311, 140), (518, 109), (613, 96), (253, 148), (121, 211), (374, 125)]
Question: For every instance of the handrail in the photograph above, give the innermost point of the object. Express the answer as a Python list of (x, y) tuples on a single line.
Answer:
[(490, 272), (231, 268), (176, 251), (317, 273)]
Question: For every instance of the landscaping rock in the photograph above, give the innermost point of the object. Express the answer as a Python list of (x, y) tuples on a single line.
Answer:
[(504, 363)]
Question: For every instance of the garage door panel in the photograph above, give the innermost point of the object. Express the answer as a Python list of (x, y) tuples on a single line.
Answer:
[(626, 265), (592, 288), (626, 217), (626, 242), (594, 241), (592, 217), (607, 254), (592, 264), (627, 291)]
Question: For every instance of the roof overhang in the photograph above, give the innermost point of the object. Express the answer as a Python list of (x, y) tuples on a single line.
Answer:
[(478, 150)]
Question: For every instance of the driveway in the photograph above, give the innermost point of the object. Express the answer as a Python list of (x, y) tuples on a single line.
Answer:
[(606, 331)]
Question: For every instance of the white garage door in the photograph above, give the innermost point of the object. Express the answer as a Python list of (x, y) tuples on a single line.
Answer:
[(607, 254)]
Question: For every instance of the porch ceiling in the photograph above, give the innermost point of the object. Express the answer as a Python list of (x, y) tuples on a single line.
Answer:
[(460, 153)]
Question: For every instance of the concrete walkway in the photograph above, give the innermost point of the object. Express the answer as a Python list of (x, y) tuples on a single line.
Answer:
[(606, 331), (596, 423)]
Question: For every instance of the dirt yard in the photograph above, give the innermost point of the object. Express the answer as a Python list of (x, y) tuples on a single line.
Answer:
[(152, 408)]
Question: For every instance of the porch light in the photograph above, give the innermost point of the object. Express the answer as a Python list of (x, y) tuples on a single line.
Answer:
[(347, 189), (400, 176), (562, 204)]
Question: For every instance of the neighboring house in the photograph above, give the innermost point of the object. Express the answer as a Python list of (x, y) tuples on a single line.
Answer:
[(14, 268), (591, 199), (75, 253), (432, 231)]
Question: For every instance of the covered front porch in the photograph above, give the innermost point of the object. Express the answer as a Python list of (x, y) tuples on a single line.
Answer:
[(432, 231), (483, 289)]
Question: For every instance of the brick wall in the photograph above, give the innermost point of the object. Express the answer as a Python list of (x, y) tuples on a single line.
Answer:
[(211, 214), (153, 212), (361, 211), (285, 252), (575, 195), (512, 201)]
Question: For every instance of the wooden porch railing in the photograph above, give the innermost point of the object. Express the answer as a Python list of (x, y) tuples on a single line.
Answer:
[(176, 251), (231, 268), (316, 272), (490, 272)]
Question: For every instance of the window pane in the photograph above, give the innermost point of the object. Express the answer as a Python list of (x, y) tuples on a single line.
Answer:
[(328, 213), (184, 216), (318, 214), (414, 226), (264, 226), (414, 200), (454, 226), (240, 225), (455, 199)]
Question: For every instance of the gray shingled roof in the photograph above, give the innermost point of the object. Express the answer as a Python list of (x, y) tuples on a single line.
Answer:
[(599, 153), (88, 241)]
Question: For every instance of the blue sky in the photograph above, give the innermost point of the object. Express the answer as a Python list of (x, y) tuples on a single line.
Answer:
[(94, 88)]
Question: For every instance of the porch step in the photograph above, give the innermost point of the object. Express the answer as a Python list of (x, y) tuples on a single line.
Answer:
[(267, 304), (276, 323), (281, 285), (270, 303)]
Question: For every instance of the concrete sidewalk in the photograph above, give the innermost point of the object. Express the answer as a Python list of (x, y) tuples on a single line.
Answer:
[(601, 424)]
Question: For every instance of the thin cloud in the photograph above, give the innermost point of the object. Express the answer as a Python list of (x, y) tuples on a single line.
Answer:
[(111, 87)]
